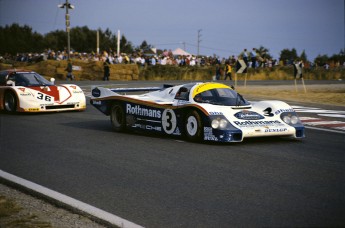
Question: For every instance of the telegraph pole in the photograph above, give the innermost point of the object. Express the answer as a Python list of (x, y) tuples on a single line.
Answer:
[(97, 49), (199, 40), (67, 5), (118, 43)]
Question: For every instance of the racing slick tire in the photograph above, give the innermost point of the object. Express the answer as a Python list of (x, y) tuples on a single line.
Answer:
[(118, 117), (10, 102), (193, 126)]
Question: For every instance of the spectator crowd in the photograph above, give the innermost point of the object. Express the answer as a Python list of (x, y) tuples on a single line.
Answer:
[(165, 58), (252, 58)]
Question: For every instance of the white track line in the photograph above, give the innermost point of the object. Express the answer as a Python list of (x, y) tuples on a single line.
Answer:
[(307, 121), (86, 208), (325, 129)]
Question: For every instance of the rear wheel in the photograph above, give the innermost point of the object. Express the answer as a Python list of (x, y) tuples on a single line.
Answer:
[(193, 126), (118, 117), (10, 102)]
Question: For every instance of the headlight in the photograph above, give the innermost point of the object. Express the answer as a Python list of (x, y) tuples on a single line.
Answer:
[(287, 119), (290, 119), (215, 124), (219, 123), (294, 119), (223, 123)]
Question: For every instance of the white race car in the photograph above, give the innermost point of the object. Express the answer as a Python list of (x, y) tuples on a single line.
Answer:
[(27, 91), (198, 111)]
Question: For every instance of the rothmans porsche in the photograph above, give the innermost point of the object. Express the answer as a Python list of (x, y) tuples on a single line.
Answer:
[(207, 111), (27, 91)]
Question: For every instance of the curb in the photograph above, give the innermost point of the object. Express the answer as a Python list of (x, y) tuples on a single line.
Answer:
[(65, 202)]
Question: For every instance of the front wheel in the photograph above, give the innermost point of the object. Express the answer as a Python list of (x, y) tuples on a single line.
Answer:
[(10, 102), (193, 126), (118, 117)]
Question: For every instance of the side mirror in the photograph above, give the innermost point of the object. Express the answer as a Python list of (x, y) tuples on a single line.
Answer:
[(10, 83), (52, 80)]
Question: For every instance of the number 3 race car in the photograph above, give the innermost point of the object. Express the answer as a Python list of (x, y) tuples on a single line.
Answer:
[(198, 111), (27, 91)]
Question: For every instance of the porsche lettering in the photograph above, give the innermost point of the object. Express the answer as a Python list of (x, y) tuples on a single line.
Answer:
[(153, 128)]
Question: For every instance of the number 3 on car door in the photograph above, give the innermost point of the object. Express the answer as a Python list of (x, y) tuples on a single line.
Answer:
[(169, 121)]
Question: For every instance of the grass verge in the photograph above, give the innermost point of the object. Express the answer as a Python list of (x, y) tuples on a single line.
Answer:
[(319, 94), (11, 216)]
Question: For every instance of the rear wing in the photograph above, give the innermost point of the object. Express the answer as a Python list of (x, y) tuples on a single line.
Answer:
[(140, 89), (97, 92)]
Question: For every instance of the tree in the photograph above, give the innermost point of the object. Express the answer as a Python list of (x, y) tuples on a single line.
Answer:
[(263, 52), (125, 46), (78, 39), (108, 41), (287, 55), (18, 39), (340, 58), (56, 40), (144, 46), (82, 39), (321, 60), (303, 56)]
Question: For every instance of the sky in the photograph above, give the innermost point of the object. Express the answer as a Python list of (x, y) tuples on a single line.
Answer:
[(223, 27)]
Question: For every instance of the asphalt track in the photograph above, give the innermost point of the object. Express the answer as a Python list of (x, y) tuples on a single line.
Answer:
[(168, 182)]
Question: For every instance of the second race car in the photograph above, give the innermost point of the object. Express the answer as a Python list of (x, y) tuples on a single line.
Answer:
[(27, 91), (198, 111)]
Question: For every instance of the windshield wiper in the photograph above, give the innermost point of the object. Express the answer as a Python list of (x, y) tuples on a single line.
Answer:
[(204, 101), (219, 103), (239, 98), (38, 80)]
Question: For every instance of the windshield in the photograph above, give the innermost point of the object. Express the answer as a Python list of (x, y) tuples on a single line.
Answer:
[(31, 79), (221, 96)]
